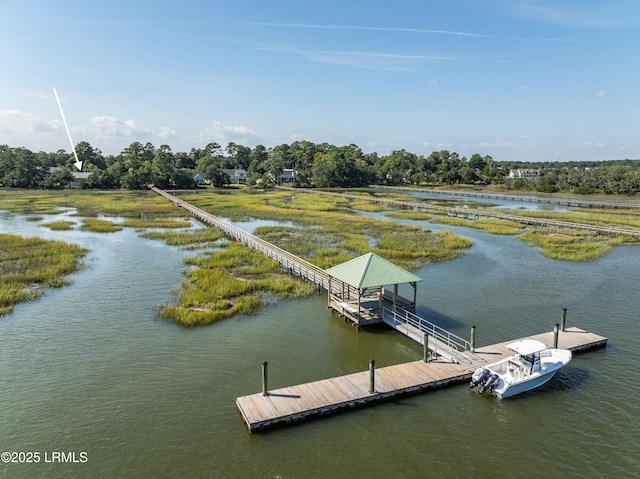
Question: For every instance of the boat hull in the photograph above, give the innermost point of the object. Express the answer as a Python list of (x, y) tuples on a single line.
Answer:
[(523, 386), (518, 374)]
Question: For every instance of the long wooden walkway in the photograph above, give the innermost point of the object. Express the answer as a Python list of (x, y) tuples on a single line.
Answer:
[(475, 213), (293, 263), (294, 404)]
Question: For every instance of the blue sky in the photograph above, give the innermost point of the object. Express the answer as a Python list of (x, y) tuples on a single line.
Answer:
[(522, 80)]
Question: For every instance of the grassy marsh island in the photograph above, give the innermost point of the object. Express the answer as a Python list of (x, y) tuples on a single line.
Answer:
[(29, 266)]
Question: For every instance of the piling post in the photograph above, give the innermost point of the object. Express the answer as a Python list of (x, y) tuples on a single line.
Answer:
[(556, 328), (473, 339), (265, 389), (425, 341), (372, 376), (563, 319)]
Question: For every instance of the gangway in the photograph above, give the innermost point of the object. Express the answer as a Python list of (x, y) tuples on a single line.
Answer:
[(439, 341)]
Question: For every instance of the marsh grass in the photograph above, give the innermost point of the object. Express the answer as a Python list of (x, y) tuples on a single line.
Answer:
[(236, 280), (150, 222), (100, 226), (29, 266), (493, 226), (59, 225), (414, 215), (111, 203), (197, 238), (360, 205), (568, 246)]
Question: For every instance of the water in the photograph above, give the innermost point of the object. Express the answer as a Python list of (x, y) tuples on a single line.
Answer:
[(478, 202), (89, 368)]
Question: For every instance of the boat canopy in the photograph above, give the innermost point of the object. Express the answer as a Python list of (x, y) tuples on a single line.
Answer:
[(527, 347)]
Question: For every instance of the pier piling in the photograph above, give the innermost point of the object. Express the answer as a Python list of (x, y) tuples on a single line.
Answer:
[(556, 329), (265, 389), (472, 340), (563, 319), (425, 341), (372, 376)]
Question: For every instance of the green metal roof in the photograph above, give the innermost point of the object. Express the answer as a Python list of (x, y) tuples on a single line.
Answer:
[(370, 270)]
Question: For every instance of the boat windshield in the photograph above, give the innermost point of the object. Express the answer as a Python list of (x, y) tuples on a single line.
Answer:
[(527, 347)]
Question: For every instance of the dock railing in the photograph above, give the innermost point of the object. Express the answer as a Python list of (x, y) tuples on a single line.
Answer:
[(293, 263), (444, 343)]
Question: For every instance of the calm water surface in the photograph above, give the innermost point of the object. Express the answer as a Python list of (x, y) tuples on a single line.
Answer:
[(89, 368)]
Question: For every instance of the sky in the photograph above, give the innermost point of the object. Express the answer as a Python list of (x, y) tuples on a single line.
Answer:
[(519, 80)]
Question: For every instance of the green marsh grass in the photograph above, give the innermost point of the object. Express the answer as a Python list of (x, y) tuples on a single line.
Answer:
[(164, 223), (236, 280), (493, 226), (190, 238), (414, 215), (59, 225), (568, 245), (88, 203), (100, 226), (29, 266)]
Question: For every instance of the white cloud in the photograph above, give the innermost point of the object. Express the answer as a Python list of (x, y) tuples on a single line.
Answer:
[(585, 145), (613, 13), (223, 134), (167, 133), (40, 96), (602, 93), (16, 122), (382, 61), (409, 30), (111, 127), (497, 143)]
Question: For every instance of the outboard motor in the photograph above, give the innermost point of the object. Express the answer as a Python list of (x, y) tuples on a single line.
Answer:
[(489, 383), (484, 374)]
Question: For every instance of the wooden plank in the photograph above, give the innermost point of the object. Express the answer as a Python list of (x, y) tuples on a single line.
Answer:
[(295, 403)]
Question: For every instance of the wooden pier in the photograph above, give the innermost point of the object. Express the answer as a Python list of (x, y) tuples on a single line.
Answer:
[(294, 404)]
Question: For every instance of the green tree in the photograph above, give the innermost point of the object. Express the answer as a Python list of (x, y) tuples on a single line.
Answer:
[(163, 167), (89, 155)]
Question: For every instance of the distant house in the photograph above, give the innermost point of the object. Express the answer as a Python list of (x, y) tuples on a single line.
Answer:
[(524, 173), (287, 177), (199, 178), (236, 177), (79, 178)]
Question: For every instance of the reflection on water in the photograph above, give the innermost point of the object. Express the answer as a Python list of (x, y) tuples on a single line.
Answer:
[(90, 368)]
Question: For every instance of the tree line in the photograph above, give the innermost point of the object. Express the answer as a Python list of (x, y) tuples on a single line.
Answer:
[(317, 165)]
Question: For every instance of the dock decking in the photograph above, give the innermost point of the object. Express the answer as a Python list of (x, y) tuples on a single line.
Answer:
[(296, 403)]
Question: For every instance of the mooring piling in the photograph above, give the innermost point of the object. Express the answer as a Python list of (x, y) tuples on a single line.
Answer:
[(563, 319), (556, 329), (425, 341), (472, 340), (372, 376), (265, 389)]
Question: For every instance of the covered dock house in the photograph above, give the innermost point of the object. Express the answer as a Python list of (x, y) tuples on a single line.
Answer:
[(359, 289)]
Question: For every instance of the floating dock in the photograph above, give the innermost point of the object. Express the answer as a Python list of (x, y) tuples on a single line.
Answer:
[(294, 404)]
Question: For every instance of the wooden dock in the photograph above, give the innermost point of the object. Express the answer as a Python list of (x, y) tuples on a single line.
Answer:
[(294, 404)]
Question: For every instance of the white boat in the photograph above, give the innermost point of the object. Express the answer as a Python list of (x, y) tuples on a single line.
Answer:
[(533, 365)]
